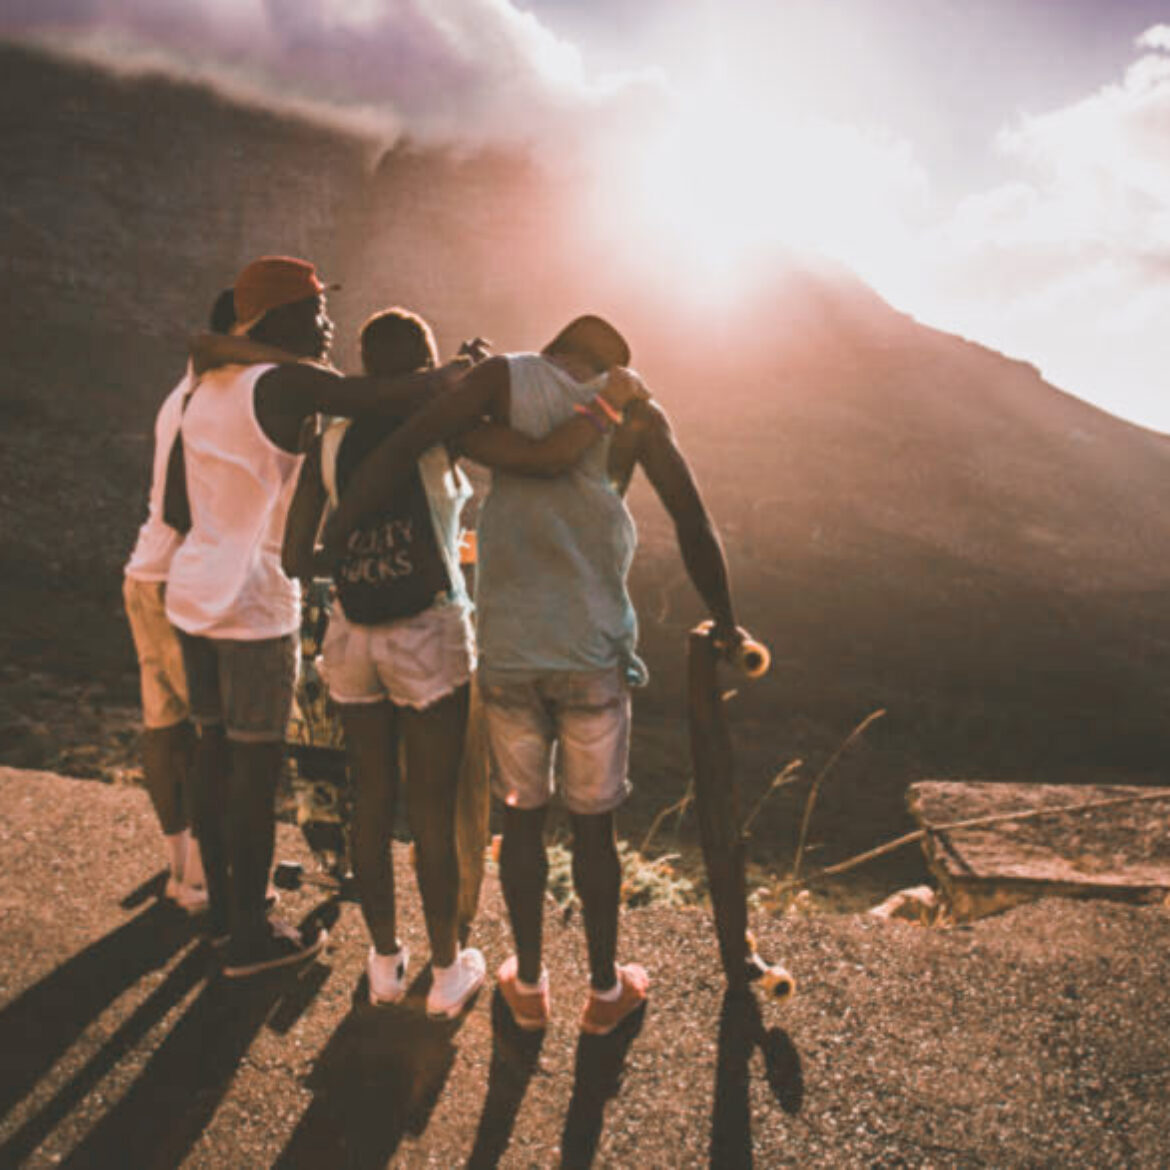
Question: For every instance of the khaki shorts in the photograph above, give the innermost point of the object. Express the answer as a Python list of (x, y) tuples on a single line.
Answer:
[(160, 657), (571, 726), (412, 662)]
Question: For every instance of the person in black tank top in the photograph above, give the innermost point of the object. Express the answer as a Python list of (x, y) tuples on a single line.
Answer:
[(389, 577)]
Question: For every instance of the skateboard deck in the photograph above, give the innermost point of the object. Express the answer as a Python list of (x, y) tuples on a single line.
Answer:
[(717, 810), (473, 803)]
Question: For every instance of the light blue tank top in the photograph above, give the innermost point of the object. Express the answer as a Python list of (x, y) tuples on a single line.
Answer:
[(554, 553)]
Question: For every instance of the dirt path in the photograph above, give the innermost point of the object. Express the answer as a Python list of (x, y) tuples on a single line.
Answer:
[(1035, 1038)]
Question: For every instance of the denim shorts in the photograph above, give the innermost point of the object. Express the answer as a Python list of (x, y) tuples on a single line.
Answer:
[(160, 658), (245, 686), (566, 727)]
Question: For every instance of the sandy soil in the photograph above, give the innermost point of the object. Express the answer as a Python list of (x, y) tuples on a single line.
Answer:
[(1035, 1038)]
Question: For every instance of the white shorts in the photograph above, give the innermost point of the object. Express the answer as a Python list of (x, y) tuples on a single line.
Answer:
[(412, 662)]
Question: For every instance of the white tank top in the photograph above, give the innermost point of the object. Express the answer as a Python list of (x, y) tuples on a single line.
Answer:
[(226, 580), (157, 541)]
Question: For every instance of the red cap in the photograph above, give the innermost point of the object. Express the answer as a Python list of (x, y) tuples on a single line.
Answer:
[(273, 281)]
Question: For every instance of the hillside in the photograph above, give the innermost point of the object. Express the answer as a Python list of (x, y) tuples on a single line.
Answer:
[(913, 522)]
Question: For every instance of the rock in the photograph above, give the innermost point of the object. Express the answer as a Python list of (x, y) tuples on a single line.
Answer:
[(918, 904)]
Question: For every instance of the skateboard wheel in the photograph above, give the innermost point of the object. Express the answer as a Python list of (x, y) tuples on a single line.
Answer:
[(778, 983), (753, 658)]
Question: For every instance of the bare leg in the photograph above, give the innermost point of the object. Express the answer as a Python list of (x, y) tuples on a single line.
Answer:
[(434, 740), (166, 764), (371, 737), (251, 836), (523, 877), (597, 878), (209, 808)]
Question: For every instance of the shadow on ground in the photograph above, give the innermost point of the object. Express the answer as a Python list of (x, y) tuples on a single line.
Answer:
[(40, 1025), (161, 1117), (377, 1079), (741, 1032)]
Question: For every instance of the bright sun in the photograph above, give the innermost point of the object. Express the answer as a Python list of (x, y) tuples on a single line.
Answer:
[(731, 182)]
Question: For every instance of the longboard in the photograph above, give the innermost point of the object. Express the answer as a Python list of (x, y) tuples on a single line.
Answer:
[(472, 807), (717, 810)]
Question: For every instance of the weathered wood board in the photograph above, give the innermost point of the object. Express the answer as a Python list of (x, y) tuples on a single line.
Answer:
[(1121, 850)]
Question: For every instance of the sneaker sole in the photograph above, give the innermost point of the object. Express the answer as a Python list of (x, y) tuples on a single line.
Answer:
[(457, 1009), (385, 1000), (596, 1030), (528, 1023), (243, 970)]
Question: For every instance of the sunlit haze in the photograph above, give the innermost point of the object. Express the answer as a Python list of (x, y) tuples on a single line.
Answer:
[(999, 170)]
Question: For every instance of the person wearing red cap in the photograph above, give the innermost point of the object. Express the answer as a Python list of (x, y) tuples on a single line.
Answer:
[(236, 610)]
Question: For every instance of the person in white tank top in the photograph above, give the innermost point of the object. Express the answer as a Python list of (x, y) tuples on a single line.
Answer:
[(236, 609)]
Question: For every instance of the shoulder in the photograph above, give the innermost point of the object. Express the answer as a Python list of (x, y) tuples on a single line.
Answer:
[(292, 376), (494, 371)]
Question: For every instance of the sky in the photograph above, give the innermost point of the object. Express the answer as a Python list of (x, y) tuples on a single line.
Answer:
[(997, 168)]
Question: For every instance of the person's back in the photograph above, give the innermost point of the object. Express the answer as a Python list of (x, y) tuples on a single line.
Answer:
[(554, 553), (405, 557)]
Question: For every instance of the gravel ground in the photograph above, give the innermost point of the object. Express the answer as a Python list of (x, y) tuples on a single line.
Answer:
[(1032, 1039)]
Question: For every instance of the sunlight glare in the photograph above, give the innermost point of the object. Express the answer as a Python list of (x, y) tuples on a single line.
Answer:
[(732, 181)]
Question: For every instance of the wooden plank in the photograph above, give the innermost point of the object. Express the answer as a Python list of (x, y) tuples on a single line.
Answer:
[(1121, 849)]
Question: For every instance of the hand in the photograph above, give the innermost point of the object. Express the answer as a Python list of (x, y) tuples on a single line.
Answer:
[(450, 372), (728, 638), (477, 349), (624, 386)]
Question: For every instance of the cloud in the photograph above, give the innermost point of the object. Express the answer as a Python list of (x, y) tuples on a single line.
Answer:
[(452, 71), (1157, 37), (1067, 263)]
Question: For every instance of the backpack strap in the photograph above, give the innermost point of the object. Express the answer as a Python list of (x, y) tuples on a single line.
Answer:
[(176, 501)]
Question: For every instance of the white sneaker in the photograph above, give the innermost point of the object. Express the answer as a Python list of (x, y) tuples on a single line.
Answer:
[(454, 986), (387, 974)]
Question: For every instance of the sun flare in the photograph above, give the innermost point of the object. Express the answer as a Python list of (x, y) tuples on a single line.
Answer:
[(731, 182)]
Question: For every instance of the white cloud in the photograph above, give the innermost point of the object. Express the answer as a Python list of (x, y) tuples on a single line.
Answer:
[(1157, 37), (1068, 264)]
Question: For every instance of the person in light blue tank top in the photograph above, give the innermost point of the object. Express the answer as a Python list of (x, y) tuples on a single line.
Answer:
[(557, 636)]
